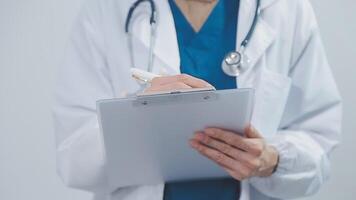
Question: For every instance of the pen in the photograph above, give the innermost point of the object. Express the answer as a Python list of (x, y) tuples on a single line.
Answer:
[(142, 75)]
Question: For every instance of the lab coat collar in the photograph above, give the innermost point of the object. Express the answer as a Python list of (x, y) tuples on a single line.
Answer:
[(166, 46), (166, 41)]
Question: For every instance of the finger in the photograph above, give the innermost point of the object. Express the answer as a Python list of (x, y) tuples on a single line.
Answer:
[(214, 155), (251, 132), (245, 158), (163, 80), (167, 87), (234, 168), (216, 144), (184, 78), (228, 137), (255, 141), (254, 146), (193, 81)]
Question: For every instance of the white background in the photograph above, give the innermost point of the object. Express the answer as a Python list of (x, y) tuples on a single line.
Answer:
[(32, 38)]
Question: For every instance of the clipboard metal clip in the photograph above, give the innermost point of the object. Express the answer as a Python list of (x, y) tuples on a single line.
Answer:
[(174, 97), (191, 90)]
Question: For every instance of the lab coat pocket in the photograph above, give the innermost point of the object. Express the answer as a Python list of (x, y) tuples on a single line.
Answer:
[(271, 96)]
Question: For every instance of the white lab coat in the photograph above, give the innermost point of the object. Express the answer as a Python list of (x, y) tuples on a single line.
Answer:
[(297, 107)]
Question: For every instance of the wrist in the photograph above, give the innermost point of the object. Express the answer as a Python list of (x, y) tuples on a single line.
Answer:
[(275, 160), (271, 161)]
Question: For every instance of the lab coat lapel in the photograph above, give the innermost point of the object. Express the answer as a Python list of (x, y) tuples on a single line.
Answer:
[(165, 44), (263, 35)]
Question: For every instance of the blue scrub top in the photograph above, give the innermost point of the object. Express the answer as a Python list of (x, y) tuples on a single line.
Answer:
[(201, 54)]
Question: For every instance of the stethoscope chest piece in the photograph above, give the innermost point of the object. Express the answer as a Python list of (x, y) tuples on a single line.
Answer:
[(232, 63), (235, 61)]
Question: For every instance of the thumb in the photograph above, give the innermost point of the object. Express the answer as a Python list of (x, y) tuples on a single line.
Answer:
[(251, 132)]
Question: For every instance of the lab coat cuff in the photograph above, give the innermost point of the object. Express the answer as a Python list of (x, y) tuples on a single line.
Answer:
[(287, 158), (287, 155)]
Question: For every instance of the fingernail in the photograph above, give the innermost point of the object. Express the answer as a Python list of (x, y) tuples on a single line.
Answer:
[(208, 131), (251, 128), (210, 86), (193, 143), (199, 136)]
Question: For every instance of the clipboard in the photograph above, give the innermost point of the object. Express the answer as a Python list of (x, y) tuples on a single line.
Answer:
[(146, 138)]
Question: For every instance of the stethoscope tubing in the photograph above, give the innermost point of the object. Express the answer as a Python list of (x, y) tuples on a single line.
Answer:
[(153, 17), (253, 26), (153, 22)]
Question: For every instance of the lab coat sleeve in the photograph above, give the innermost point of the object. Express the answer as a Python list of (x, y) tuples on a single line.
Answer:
[(83, 78), (310, 127)]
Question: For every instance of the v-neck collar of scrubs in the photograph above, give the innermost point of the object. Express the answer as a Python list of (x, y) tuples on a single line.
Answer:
[(189, 27), (201, 53)]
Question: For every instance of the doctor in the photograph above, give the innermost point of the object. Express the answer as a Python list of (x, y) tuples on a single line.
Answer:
[(284, 154)]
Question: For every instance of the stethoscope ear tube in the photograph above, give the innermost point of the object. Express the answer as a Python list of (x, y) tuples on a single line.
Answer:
[(133, 8), (153, 21), (253, 25)]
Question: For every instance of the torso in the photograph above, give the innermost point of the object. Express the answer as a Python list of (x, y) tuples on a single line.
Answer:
[(275, 73)]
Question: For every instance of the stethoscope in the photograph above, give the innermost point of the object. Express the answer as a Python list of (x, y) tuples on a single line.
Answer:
[(233, 62)]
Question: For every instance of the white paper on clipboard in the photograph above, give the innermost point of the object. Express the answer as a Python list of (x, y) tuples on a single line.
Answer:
[(146, 138)]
